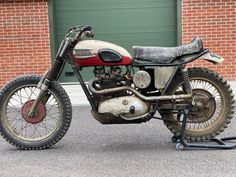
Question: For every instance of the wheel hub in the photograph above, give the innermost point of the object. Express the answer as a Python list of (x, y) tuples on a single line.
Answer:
[(204, 107), (40, 112)]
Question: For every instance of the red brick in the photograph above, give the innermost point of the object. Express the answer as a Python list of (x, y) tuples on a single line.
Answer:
[(23, 50), (216, 24), (20, 41)]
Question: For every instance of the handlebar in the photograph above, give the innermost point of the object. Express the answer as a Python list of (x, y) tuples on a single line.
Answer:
[(87, 28), (79, 31), (88, 31), (74, 34), (89, 34)]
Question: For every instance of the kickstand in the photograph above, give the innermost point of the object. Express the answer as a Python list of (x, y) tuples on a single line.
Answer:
[(182, 143)]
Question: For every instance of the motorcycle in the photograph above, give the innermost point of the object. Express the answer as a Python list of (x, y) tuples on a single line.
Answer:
[(36, 112)]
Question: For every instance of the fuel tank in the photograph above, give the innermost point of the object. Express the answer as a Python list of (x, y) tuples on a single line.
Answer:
[(100, 53)]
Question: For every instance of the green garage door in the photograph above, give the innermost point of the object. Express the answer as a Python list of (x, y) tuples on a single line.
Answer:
[(123, 22)]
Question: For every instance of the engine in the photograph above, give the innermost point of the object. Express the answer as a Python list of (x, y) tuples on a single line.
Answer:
[(108, 78), (142, 79), (127, 107), (121, 103)]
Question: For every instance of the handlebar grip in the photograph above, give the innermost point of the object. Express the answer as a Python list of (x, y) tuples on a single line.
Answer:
[(87, 28), (89, 34)]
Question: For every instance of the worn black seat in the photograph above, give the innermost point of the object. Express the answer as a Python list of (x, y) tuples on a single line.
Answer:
[(167, 54)]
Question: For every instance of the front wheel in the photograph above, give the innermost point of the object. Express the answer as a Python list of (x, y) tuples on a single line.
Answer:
[(50, 123), (213, 105)]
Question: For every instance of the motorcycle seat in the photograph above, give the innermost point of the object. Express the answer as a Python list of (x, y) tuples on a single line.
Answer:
[(167, 54)]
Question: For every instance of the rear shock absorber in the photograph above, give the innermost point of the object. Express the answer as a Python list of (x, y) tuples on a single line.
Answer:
[(186, 85)]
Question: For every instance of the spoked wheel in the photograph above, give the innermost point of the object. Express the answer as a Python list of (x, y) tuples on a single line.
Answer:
[(213, 105), (50, 122)]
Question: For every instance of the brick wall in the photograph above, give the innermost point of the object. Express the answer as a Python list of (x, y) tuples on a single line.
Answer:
[(215, 22), (24, 35), (24, 38)]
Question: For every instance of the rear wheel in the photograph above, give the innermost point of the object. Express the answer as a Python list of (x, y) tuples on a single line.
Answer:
[(213, 105), (47, 127)]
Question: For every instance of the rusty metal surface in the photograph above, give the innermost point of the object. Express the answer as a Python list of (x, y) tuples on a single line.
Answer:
[(40, 112), (122, 88)]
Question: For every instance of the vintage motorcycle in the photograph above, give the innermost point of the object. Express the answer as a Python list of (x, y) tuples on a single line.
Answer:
[(36, 112)]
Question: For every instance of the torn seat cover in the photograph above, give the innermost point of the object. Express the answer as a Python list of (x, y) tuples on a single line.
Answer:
[(167, 54)]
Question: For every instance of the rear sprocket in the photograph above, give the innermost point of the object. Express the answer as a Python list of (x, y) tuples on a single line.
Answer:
[(213, 105)]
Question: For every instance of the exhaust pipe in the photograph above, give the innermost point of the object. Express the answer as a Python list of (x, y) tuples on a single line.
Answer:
[(122, 88)]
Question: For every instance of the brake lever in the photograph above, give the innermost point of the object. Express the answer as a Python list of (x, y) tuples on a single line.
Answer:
[(72, 29)]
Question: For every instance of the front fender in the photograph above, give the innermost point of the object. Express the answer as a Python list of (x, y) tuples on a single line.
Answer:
[(213, 58)]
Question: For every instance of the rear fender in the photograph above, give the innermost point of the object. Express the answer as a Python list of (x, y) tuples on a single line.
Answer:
[(213, 58)]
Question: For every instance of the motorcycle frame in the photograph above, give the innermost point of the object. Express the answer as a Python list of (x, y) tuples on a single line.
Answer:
[(65, 55), (184, 109)]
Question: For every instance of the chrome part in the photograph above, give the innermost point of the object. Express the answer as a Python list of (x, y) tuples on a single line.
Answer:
[(134, 118), (43, 86), (212, 58), (24, 127), (63, 48), (122, 88), (32, 110), (162, 76), (142, 79), (129, 107), (42, 80), (83, 53)]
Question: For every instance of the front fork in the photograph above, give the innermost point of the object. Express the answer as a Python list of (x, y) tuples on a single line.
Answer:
[(43, 87), (52, 75)]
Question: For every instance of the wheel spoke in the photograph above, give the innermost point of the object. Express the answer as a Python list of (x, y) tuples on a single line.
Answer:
[(16, 119), (23, 128), (49, 101), (19, 124), (33, 91), (28, 96), (211, 90), (53, 113), (13, 107), (212, 106), (16, 101)]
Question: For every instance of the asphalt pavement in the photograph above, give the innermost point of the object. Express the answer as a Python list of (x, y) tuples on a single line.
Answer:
[(90, 149)]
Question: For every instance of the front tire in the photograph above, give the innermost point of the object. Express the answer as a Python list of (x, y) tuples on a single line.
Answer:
[(214, 107), (47, 127)]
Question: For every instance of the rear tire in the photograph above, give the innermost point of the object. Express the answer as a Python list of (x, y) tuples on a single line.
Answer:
[(49, 126), (210, 119)]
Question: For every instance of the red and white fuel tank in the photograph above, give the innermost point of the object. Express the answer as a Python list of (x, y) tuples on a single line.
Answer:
[(100, 53)]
